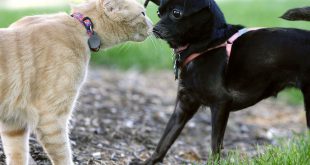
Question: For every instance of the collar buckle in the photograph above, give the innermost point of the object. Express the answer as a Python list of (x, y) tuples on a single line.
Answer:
[(94, 41)]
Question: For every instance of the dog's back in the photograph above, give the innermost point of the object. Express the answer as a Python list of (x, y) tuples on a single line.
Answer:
[(283, 53)]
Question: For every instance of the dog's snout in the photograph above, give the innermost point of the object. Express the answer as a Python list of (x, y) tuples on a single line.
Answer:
[(157, 33)]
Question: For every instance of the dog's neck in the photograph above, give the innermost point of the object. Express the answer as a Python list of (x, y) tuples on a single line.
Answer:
[(219, 33), (217, 37)]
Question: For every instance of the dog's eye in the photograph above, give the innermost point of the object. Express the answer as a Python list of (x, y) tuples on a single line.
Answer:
[(158, 14), (176, 14)]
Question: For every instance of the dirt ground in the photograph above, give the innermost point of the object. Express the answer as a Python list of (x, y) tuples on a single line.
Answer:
[(121, 116)]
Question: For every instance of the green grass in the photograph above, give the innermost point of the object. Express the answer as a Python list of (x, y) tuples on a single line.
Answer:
[(262, 13), (8, 16), (291, 96), (295, 151)]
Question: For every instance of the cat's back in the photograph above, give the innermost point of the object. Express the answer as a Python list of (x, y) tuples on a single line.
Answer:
[(23, 39), (35, 28), (41, 29), (34, 50), (39, 35), (38, 21)]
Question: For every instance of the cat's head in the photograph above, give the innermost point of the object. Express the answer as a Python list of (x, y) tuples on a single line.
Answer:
[(117, 21)]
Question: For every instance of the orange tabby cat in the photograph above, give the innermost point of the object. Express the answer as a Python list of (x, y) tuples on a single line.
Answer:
[(43, 63)]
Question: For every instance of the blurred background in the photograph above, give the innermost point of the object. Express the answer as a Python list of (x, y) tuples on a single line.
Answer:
[(137, 79)]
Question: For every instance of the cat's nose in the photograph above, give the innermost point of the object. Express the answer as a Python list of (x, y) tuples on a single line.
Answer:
[(149, 25)]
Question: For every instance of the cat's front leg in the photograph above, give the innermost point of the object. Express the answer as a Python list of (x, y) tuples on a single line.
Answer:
[(15, 144), (52, 132)]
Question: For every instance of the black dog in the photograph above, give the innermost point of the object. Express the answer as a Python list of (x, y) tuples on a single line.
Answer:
[(262, 63)]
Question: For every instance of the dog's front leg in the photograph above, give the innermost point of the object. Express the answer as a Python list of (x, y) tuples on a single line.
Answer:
[(185, 109), (220, 116)]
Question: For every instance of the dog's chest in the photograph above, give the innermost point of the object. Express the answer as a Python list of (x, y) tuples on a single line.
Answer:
[(204, 77)]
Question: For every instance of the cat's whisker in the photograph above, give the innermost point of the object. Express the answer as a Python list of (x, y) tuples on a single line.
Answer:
[(125, 47)]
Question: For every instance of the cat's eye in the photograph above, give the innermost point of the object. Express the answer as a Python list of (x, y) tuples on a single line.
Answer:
[(143, 13), (158, 14), (176, 14)]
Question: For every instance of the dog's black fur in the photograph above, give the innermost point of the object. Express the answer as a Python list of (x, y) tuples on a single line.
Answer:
[(262, 63)]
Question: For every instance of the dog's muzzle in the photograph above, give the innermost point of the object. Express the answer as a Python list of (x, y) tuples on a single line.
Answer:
[(157, 33)]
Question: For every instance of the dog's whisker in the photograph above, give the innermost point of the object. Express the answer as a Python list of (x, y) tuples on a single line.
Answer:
[(153, 42), (156, 43)]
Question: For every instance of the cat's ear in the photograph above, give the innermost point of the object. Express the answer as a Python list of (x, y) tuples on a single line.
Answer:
[(111, 8), (119, 10)]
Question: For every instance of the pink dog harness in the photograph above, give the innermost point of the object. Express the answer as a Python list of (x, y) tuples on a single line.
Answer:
[(228, 44)]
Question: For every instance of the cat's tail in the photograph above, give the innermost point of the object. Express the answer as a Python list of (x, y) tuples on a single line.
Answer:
[(297, 14)]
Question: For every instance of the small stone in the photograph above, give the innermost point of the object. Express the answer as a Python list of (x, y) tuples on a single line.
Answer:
[(244, 129), (114, 157), (190, 155), (96, 155)]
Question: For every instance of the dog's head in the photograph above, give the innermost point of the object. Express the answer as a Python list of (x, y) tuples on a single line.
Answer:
[(185, 22)]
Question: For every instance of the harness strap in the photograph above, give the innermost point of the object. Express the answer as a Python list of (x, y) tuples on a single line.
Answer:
[(228, 44)]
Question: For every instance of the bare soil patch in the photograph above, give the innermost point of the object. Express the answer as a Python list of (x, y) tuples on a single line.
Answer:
[(121, 116)]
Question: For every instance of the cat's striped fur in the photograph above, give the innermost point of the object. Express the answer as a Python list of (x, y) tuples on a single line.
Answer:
[(43, 62)]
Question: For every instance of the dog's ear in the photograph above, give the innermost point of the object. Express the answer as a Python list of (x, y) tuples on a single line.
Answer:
[(193, 6), (157, 2)]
